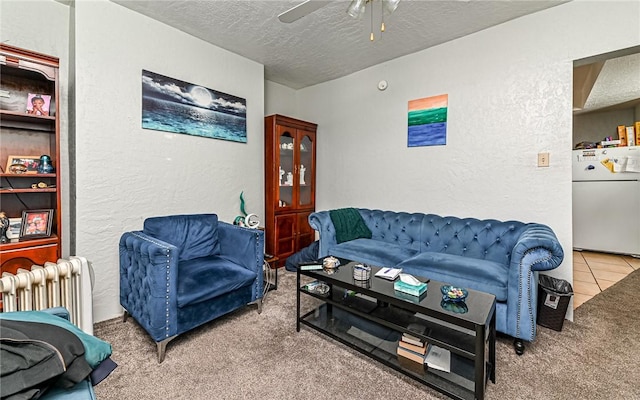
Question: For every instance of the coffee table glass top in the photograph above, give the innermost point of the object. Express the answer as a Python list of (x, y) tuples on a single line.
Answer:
[(476, 308)]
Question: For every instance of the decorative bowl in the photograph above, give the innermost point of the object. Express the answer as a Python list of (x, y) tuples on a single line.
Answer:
[(453, 294)]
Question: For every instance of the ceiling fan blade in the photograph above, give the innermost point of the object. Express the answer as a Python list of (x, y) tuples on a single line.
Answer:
[(302, 9)]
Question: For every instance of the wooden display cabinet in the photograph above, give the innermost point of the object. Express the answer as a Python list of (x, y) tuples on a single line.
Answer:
[(24, 73), (290, 182)]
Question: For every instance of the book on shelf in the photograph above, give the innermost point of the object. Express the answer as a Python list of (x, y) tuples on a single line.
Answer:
[(388, 273), (636, 125), (420, 349), (416, 341), (410, 355), (438, 358), (415, 290), (410, 365)]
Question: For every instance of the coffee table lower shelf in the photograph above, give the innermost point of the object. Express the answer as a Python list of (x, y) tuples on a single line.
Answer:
[(380, 343)]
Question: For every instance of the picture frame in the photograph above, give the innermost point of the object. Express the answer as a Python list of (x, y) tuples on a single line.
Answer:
[(38, 104), (36, 224), (14, 228), (30, 162), (176, 106)]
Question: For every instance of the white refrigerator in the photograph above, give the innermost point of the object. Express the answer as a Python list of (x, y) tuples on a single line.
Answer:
[(606, 200)]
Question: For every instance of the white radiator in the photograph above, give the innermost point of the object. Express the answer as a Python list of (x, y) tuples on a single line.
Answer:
[(66, 283)]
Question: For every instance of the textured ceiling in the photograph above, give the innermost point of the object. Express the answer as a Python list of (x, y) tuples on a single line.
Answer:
[(328, 44), (618, 84)]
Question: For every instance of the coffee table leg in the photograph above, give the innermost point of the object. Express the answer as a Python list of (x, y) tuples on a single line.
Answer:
[(480, 362), (492, 348), (298, 301)]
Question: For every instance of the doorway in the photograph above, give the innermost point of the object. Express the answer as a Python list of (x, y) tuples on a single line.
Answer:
[(606, 91)]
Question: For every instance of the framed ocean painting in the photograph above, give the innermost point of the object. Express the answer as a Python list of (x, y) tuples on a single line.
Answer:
[(428, 121), (172, 105)]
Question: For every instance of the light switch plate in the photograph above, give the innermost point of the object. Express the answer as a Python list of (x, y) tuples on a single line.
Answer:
[(543, 159)]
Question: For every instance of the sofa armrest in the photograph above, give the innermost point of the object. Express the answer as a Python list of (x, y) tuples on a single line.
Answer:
[(537, 236), (244, 247), (537, 249), (321, 222), (148, 283)]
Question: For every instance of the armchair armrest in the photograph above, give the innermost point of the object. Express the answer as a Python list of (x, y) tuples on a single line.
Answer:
[(244, 247), (321, 222), (152, 266)]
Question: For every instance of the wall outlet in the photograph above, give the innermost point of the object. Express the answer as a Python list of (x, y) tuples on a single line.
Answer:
[(543, 159)]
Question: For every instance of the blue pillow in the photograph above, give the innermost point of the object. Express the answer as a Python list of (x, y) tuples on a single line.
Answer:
[(95, 350)]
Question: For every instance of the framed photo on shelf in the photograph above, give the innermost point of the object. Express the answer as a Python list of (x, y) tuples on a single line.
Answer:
[(38, 104), (36, 224), (14, 228), (31, 164)]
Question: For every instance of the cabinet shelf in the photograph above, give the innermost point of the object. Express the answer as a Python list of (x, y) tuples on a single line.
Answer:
[(14, 119), (16, 244), (29, 176), (45, 190)]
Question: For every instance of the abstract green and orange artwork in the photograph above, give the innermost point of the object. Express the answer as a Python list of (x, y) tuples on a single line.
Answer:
[(428, 121)]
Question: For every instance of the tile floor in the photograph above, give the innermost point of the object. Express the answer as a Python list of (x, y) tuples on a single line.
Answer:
[(595, 272)]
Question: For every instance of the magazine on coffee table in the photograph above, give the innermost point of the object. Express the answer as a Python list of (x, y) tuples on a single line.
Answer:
[(388, 273)]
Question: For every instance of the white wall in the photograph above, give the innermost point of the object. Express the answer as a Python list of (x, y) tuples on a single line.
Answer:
[(510, 97), (279, 99), (125, 173), (18, 19)]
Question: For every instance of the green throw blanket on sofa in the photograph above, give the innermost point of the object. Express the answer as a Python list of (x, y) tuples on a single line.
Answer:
[(349, 225)]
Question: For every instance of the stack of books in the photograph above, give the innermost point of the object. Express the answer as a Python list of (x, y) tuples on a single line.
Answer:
[(411, 352)]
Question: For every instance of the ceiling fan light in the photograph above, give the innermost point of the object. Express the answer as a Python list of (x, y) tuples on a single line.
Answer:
[(390, 5), (356, 8)]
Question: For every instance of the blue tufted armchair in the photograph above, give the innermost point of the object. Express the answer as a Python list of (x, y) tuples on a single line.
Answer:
[(182, 271)]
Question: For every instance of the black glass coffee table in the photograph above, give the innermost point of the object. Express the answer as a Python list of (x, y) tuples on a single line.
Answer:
[(371, 317)]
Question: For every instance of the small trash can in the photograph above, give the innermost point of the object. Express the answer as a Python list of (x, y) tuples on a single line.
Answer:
[(553, 300)]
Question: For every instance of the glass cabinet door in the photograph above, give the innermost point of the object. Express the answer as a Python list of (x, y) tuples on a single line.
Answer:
[(286, 170), (305, 170)]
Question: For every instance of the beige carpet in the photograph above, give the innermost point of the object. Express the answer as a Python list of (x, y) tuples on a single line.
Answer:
[(249, 356)]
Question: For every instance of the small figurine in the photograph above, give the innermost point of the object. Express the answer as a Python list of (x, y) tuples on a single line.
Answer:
[(4, 226), (289, 179), (302, 169), (281, 175)]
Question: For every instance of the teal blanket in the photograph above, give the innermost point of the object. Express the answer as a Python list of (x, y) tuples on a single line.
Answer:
[(349, 225)]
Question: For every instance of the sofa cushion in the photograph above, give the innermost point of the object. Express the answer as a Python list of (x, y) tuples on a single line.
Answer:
[(472, 273), (194, 235), (349, 225), (205, 278), (372, 252)]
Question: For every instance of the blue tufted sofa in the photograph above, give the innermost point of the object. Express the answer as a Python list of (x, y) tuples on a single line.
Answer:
[(501, 258), (182, 271)]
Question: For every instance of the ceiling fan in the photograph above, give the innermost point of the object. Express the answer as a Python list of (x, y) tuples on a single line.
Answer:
[(355, 10), (302, 9)]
